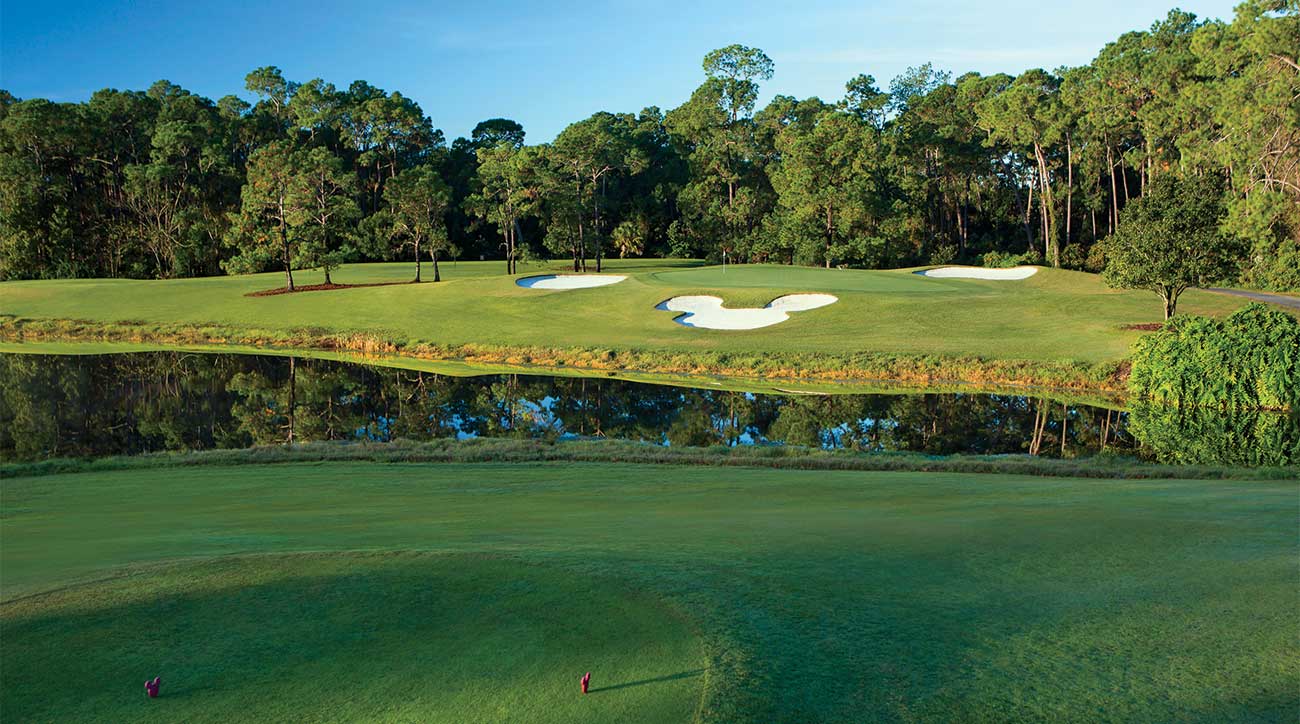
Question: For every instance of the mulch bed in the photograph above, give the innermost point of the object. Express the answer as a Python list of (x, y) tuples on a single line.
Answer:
[(318, 288), (1145, 327)]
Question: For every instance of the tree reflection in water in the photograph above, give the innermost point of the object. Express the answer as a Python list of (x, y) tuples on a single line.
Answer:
[(69, 406)]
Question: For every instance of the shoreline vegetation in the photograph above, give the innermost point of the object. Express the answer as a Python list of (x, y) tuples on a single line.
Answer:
[(932, 372), (539, 452)]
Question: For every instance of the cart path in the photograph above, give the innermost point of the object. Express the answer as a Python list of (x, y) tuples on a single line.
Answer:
[(1281, 299)]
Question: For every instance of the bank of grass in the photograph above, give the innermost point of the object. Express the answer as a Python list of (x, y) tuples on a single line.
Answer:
[(1056, 329), (803, 595), (782, 457), (775, 366)]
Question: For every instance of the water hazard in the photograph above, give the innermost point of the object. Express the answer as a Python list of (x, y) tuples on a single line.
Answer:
[(87, 406)]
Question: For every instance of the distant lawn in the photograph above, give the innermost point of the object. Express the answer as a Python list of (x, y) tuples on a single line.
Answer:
[(755, 595), (1055, 316)]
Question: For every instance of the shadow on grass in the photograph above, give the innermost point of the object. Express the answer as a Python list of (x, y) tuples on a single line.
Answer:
[(656, 680)]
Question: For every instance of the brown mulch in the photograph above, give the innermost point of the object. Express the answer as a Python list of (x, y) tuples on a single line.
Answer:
[(1145, 326), (319, 288)]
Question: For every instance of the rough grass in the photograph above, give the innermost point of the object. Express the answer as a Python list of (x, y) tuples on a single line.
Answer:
[(784, 457), (818, 595), (1057, 328)]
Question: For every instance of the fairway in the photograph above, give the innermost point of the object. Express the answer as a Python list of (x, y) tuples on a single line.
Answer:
[(482, 591), (1055, 316), (358, 637)]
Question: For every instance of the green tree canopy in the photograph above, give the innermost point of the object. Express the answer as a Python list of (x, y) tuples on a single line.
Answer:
[(1169, 240)]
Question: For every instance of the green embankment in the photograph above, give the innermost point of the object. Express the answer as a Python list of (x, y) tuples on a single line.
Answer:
[(1057, 328), (480, 592)]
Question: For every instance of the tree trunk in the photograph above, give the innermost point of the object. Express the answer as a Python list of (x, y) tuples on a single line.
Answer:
[(1051, 245), (1171, 303), (829, 225), (595, 217), (288, 261), (514, 246), (1114, 192), (1069, 186), (582, 244), (437, 276), (965, 218), (1029, 209), (417, 261)]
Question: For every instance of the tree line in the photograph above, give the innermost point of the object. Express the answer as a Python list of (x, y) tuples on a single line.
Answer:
[(934, 168)]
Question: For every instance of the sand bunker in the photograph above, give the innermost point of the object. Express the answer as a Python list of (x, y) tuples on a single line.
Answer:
[(569, 281), (707, 312), (977, 272)]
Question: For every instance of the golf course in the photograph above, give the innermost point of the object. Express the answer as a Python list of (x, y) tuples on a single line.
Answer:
[(482, 592), (549, 363), (1060, 328)]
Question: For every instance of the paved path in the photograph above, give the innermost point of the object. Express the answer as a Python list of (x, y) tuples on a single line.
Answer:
[(1282, 299)]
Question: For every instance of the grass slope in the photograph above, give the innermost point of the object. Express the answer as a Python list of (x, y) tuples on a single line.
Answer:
[(818, 595), (1054, 316), (379, 637)]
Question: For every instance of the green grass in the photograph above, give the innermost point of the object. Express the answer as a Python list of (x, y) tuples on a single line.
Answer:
[(733, 594), (1056, 317), (785, 457), (351, 637)]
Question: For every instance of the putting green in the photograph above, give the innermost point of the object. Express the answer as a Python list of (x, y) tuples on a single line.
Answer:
[(808, 279), (349, 637)]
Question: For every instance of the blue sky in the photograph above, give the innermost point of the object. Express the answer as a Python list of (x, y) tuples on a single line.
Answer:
[(544, 64)]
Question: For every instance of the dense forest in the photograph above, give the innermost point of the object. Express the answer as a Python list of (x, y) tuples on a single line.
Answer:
[(934, 168)]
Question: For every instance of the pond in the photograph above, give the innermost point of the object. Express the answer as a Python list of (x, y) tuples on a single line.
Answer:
[(96, 405)]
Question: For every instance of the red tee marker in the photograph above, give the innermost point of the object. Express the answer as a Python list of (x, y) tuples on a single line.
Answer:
[(151, 687), (586, 679)]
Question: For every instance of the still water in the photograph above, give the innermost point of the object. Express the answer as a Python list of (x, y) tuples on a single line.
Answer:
[(86, 406)]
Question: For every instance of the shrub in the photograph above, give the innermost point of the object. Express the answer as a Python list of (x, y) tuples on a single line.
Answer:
[(1073, 256), (1250, 360), (1004, 260), (1202, 436), (1096, 261), (998, 260), (943, 254)]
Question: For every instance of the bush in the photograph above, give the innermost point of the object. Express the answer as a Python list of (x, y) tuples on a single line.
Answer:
[(1004, 260), (1202, 436), (1096, 261), (1073, 256), (1250, 360), (998, 260), (943, 254)]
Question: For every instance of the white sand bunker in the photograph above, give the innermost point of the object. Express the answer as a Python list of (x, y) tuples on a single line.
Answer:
[(978, 272), (569, 281), (707, 312)]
